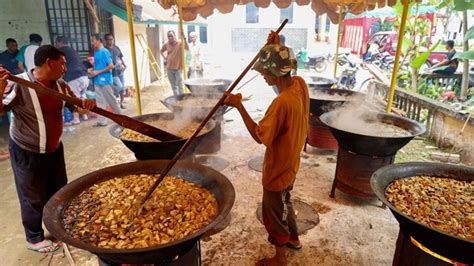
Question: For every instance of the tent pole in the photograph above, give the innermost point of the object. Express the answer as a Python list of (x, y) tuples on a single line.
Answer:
[(134, 56), (339, 29), (401, 34), (183, 38)]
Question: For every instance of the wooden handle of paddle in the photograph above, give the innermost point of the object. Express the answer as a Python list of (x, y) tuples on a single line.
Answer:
[(69, 99)]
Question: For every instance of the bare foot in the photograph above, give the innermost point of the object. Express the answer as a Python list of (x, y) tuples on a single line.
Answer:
[(45, 246)]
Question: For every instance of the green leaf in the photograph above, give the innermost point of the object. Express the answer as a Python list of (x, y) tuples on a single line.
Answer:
[(444, 4), (462, 5), (406, 45), (469, 55), (469, 34), (421, 59)]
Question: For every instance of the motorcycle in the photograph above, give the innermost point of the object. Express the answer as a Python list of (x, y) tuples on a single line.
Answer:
[(318, 63), (347, 79)]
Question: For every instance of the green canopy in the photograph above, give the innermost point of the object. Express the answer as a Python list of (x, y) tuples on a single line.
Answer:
[(155, 14)]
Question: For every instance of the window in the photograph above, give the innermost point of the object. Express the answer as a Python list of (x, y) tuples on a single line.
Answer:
[(203, 34), (69, 19), (106, 24), (328, 24), (251, 13), (287, 13)]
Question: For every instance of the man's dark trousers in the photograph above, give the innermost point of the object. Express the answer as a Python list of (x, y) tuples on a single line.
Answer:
[(37, 178)]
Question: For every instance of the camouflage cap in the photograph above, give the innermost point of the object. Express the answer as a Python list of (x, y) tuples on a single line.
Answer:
[(274, 60)]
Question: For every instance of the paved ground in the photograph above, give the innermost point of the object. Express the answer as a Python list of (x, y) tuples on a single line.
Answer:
[(351, 232)]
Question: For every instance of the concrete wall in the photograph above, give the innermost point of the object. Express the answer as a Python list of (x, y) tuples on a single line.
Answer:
[(122, 40), (221, 26), (445, 132), (19, 18)]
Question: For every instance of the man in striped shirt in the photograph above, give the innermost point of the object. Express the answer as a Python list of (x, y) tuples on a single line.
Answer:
[(37, 155)]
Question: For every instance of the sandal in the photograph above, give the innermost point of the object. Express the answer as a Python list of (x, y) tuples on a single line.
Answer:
[(293, 244), (48, 248)]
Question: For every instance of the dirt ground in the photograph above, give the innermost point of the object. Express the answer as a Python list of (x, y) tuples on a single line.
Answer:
[(350, 232)]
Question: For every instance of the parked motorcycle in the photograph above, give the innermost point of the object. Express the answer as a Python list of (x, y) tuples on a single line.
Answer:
[(347, 79), (318, 63)]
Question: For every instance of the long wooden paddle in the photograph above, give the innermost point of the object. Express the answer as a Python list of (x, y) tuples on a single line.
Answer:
[(122, 120), (203, 123)]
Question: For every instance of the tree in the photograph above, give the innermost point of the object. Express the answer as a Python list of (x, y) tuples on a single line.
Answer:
[(415, 38)]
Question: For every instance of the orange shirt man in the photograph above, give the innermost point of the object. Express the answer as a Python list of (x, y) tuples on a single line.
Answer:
[(283, 131)]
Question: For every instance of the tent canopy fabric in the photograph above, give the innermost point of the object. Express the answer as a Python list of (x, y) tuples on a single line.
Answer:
[(205, 8), (145, 12), (389, 12)]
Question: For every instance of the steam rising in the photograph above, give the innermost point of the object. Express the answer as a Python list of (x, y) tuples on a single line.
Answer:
[(359, 115)]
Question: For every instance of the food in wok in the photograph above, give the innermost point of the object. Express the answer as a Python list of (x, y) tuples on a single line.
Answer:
[(184, 131), (444, 204), (105, 214)]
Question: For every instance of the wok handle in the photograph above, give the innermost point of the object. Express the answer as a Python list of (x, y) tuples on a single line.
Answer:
[(203, 123)]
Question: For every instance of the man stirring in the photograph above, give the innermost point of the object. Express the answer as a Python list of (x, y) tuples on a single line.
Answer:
[(37, 155), (283, 131)]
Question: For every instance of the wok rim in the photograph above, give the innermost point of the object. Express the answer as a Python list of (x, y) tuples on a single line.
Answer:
[(113, 129), (337, 91), (380, 173), (421, 128), (64, 236), (189, 82)]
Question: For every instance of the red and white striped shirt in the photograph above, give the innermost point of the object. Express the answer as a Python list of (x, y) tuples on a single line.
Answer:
[(37, 122)]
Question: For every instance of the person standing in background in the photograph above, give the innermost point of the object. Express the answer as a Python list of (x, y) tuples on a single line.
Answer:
[(9, 62), (119, 67), (195, 66), (103, 81), (8, 57), (172, 53), (76, 74), (26, 56)]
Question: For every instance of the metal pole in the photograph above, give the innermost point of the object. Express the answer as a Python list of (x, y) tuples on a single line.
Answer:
[(183, 47), (401, 33), (339, 29), (134, 56)]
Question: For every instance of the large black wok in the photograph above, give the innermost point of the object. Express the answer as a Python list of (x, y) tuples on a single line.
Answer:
[(374, 145), (320, 100), (204, 176), (207, 85), (456, 248), (159, 150), (317, 82), (195, 111)]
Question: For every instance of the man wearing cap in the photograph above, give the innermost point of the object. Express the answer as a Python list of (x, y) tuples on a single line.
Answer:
[(283, 131)]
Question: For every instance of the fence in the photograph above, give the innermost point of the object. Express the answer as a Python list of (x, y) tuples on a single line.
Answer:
[(415, 106)]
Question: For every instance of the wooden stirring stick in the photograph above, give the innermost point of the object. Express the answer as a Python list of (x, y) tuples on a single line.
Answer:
[(122, 120), (201, 126)]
